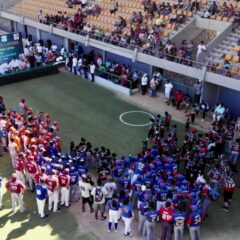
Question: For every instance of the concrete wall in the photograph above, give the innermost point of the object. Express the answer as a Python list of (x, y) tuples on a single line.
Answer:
[(231, 100)]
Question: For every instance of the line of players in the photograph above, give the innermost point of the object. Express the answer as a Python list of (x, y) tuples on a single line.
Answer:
[(150, 180)]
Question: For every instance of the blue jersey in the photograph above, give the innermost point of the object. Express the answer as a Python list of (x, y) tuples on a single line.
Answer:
[(195, 219), (143, 207), (41, 191), (74, 177), (127, 211), (82, 170), (141, 196), (125, 183), (162, 195), (148, 182), (152, 216), (118, 171), (137, 185), (179, 219), (139, 168), (115, 208)]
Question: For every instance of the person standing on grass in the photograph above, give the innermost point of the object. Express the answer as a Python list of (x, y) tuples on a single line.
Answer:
[(99, 193), (168, 88), (74, 65), (64, 183), (127, 216), (92, 68), (41, 196), (179, 218), (16, 188), (85, 188)]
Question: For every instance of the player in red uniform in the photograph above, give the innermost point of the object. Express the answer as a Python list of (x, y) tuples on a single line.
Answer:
[(16, 188), (31, 168), (64, 184), (20, 167), (52, 185)]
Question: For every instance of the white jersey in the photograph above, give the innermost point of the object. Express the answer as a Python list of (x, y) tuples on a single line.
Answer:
[(85, 188)]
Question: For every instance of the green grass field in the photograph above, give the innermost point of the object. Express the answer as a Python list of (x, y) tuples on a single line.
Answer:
[(86, 110)]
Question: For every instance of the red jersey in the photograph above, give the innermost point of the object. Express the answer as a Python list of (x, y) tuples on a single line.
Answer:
[(15, 186), (39, 175), (20, 165), (52, 183), (166, 214), (31, 167), (64, 180)]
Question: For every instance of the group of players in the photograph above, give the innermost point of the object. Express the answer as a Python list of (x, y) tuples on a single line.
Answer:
[(152, 182)]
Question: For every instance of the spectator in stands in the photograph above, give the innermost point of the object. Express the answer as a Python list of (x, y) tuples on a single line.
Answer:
[(206, 14), (198, 86), (74, 64), (177, 98), (201, 48), (186, 102), (31, 59), (38, 59), (144, 83), (115, 8), (213, 8), (204, 107), (219, 112), (230, 10), (153, 86), (92, 68), (168, 88), (41, 16), (226, 67)]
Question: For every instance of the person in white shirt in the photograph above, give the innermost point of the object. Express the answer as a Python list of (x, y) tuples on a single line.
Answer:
[(144, 83), (206, 14), (80, 62), (14, 64), (168, 88), (201, 48), (92, 71), (39, 49), (219, 112), (74, 65), (99, 194), (54, 47), (85, 188)]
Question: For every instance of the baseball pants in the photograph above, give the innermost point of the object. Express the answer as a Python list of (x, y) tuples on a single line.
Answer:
[(141, 224), (17, 199), (166, 231), (40, 206), (21, 176), (127, 223), (205, 205), (30, 177), (74, 192), (134, 199), (113, 216), (151, 232), (53, 200), (194, 233), (65, 193), (178, 232), (13, 157)]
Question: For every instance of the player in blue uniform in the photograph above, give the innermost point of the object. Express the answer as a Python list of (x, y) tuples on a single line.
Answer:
[(194, 222), (179, 218), (74, 188), (127, 216), (143, 207)]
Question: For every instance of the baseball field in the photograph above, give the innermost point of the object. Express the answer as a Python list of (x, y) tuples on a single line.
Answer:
[(84, 109)]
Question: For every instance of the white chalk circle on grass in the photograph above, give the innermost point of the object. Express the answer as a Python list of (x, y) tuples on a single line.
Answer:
[(135, 125)]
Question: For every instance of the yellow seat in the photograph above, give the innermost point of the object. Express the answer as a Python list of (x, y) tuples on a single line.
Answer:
[(235, 59), (236, 48), (234, 70), (228, 57)]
